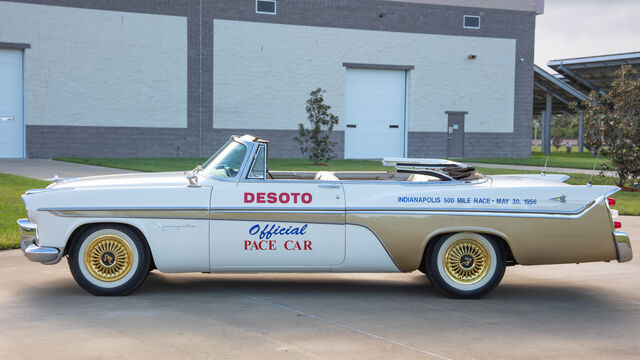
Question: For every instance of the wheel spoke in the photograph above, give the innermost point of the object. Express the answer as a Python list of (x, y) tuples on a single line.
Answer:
[(466, 261), (109, 258)]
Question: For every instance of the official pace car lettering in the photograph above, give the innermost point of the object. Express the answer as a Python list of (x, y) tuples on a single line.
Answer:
[(466, 200), (264, 233), (272, 198), (267, 231)]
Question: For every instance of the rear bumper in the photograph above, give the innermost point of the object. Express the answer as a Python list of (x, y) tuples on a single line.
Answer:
[(30, 247), (623, 246)]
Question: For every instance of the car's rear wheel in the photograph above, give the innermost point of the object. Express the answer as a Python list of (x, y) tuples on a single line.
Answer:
[(465, 265), (109, 260)]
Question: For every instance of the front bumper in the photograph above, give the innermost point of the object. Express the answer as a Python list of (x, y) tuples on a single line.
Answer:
[(623, 246), (30, 248)]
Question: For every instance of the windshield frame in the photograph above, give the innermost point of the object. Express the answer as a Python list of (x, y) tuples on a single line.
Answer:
[(250, 146)]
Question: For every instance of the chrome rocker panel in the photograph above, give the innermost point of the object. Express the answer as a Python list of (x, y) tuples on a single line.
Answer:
[(30, 248), (623, 246)]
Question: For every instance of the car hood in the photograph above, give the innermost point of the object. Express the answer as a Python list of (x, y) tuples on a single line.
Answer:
[(124, 180)]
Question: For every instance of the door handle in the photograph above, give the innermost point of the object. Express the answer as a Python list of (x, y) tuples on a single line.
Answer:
[(393, 126), (329, 186), (6, 118)]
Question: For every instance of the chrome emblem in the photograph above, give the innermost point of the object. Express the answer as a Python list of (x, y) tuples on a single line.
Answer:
[(562, 199)]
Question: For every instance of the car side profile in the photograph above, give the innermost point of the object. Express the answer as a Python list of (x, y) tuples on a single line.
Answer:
[(234, 215)]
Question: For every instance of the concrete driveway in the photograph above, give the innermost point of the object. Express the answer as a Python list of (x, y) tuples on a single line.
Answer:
[(586, 311), (45, 168)]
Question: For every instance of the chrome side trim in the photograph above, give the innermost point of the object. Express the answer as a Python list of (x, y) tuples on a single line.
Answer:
[(147, 213), (123, 208), (133, 215), (623, 246), (277, 210), (471, 213)]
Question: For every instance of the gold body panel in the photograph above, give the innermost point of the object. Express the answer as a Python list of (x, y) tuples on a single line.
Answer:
[(533, 240)]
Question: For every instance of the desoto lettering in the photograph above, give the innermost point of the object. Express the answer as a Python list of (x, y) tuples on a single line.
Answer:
[(274, 198)]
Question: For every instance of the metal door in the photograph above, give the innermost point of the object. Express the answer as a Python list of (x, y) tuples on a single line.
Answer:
[(375, 113), (11, 103), (455, 134)]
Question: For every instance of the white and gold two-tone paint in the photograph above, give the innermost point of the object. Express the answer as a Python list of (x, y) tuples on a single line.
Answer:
[(233, 215)]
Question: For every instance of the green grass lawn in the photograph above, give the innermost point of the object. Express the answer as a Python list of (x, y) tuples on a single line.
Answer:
[(183, 164), (12, 207), (557, 159), (574, 160)]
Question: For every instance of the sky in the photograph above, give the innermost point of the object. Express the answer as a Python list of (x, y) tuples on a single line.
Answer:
[(576, 28)]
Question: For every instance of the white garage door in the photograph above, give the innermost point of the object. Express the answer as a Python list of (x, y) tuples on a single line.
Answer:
[(375, 113), (11, 116)]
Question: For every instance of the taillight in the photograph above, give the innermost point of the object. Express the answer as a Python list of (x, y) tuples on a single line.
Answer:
[(617, 224), (611, 201)]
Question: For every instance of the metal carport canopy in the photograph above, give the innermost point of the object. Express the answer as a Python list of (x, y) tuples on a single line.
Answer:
[(593, 72), (562, 94), (551, 95)]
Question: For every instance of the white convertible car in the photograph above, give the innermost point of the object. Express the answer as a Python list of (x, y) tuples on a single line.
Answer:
[(234, 215)]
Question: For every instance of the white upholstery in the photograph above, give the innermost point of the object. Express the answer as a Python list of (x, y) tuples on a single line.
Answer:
[(325, 176), (421, 178)]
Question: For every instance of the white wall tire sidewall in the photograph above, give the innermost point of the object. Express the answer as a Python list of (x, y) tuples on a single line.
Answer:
[(470, 287), (108, 284)]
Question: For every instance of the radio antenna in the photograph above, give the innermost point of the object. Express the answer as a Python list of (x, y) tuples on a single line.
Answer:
[(594, 169), (544, 170)]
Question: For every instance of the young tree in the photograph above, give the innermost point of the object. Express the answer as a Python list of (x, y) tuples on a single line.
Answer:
[(315, 143), (612, 124)]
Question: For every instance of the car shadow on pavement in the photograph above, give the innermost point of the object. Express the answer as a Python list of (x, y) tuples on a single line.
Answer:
[(233, 299)]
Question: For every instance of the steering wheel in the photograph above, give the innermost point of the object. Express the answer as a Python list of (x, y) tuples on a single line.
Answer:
[(227, 170)]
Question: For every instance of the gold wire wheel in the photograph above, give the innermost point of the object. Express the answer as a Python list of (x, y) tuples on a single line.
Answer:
[(108, 258), (466, 261)]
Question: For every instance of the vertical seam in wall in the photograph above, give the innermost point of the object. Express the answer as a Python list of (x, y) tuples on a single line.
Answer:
[(200, 81), (24, 107), (406, 109)]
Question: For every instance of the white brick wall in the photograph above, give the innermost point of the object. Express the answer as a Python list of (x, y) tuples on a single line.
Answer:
[(100, 68), (263, 74)]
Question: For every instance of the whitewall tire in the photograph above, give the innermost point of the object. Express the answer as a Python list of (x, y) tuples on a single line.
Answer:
[(109, 260), (465, 265)]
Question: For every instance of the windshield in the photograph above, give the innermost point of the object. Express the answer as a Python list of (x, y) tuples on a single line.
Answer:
[(226, 162)]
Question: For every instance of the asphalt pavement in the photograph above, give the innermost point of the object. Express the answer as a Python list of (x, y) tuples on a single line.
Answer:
[(586, 311)]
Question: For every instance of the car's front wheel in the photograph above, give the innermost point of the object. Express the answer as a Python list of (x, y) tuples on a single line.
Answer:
[(465, 265), (109, 260)]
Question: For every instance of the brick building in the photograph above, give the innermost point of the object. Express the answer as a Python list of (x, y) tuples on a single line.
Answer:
[(144, 78)]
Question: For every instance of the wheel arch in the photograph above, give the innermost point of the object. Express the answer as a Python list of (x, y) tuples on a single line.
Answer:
[(501, 237), (81, 228)]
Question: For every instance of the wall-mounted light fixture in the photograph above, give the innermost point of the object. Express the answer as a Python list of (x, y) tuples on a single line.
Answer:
[(472, 56), (382, 14)]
